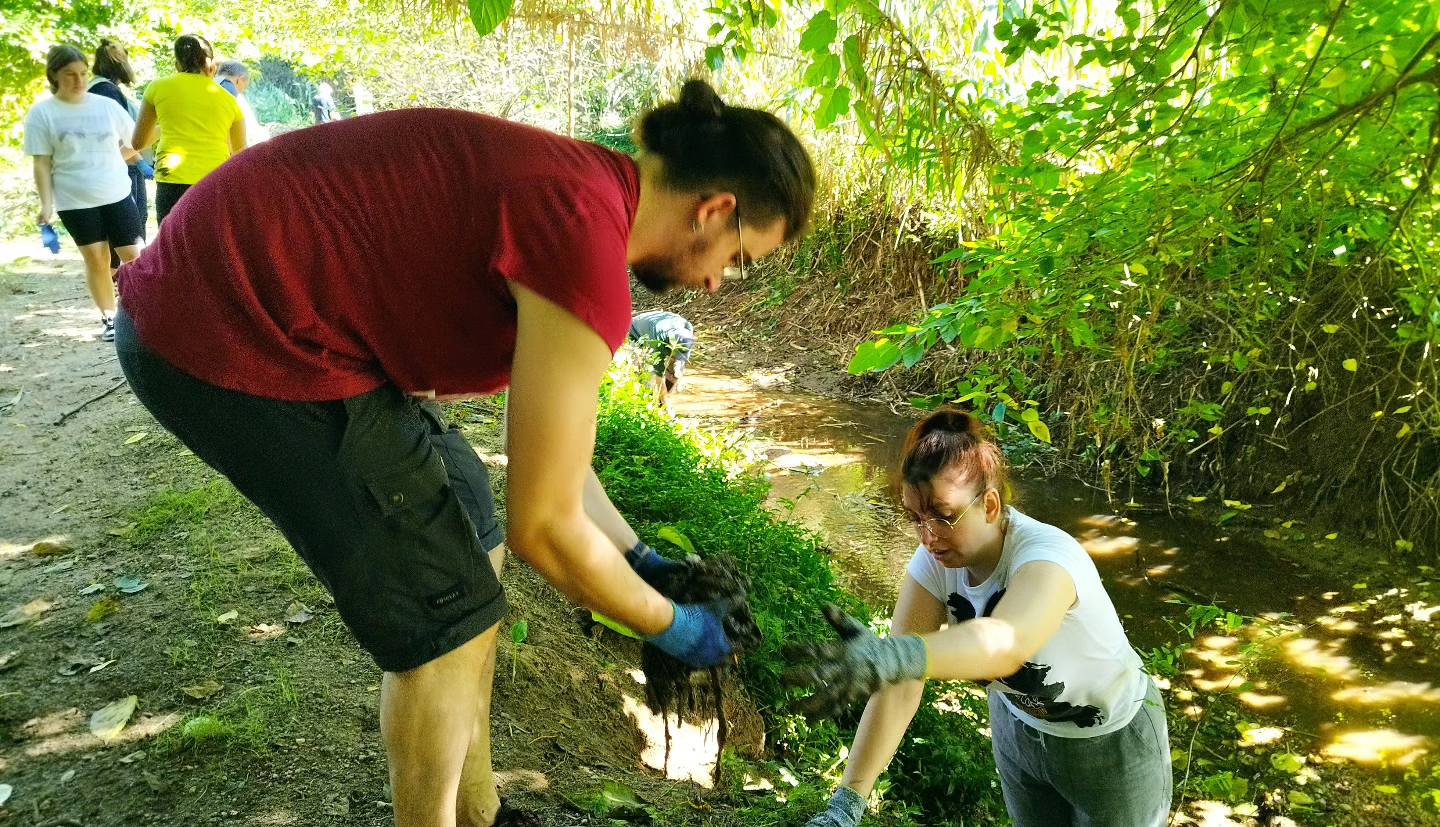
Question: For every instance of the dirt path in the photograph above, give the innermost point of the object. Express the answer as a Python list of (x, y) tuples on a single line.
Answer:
[(253, 705)]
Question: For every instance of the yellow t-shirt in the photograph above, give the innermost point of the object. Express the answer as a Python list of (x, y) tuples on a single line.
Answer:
[(195, 116)]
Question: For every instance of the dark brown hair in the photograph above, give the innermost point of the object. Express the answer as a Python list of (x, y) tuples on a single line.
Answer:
[(60, 56), (709, 147), (952, 438), (112, 63), (193, 53)]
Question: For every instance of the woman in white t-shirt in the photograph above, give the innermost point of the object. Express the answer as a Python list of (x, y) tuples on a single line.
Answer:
[(81, 145), (1078, 728)]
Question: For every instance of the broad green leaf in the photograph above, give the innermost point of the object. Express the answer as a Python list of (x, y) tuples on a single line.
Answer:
[(487, 15), (675, 537), (819, 34), (1350, 365), (519, 632), (1039, 430), (874, 356), (1330, 328)]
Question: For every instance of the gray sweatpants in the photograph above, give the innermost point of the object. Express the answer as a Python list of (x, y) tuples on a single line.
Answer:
[(1121, 779)]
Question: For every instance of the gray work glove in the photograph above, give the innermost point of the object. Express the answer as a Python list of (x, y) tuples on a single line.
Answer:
[(844, 810), (853, 668)]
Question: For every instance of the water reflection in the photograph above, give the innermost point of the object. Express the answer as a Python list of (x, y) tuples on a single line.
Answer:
[(1325, 661)]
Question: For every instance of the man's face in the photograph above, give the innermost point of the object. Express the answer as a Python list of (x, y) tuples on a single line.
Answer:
[(241, 83), (698, 259)]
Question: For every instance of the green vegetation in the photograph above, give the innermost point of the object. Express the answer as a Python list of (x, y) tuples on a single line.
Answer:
[(661, 477)]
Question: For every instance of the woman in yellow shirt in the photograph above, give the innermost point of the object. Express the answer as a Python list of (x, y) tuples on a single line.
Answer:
[(200, 124)]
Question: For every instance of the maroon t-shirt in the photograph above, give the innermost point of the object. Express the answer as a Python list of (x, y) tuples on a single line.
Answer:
[(328, 261)]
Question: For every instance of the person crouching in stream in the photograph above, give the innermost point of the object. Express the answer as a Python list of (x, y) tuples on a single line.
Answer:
[(1078, 728)]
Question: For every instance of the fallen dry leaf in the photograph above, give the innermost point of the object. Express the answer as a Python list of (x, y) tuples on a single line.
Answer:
[(134, 438), (26, 613), (297, 613), (107, 722), (201, 691), (228, 617), (264, 631)]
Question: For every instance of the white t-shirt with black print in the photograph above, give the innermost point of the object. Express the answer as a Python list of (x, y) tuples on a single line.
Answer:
[(83, 142), (1086, 680)]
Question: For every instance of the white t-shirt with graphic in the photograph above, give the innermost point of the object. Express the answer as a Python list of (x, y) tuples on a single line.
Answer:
[(1086, 680), (83, 142)]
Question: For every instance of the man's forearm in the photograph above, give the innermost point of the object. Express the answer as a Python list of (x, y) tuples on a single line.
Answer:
[(580, 561), (606, 516)]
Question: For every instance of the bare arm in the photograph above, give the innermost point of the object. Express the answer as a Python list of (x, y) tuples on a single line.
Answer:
[(45, 186), (555, 378), (597, 504), (144, 127), (988, 648), (889, 711)]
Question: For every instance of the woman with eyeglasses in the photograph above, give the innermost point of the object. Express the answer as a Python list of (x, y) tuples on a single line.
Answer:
[(1016, 605)]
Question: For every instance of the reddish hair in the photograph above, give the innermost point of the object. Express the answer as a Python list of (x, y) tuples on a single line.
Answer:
[(950, 438)]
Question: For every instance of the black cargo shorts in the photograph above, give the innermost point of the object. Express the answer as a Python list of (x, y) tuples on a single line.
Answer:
[(388, 506)]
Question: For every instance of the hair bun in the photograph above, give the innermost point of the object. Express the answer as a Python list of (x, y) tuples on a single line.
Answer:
[(698, 98), (955, 421)]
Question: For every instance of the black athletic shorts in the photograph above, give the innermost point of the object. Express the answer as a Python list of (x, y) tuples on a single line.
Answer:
[(388, 506), (118, 223)]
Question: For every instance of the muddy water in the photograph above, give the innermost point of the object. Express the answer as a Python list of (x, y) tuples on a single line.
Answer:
[(1329, 669)]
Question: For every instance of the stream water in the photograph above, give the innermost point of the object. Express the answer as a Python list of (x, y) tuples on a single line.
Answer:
[(1326, 667)]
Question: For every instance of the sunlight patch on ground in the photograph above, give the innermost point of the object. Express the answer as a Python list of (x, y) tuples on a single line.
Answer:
[(1260, 735), (1389, 693), (10, 549), (1377, 746), (68, 730), (693, 747)]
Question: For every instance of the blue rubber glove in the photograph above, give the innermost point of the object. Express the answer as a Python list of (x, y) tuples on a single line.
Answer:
[(146, 168), (50, 238), (696, 636), (652, 566), (844, 810)]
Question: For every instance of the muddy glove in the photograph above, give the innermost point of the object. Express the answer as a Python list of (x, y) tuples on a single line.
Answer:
[(844, 810), (853, 668), (697, 635), (652, 566)]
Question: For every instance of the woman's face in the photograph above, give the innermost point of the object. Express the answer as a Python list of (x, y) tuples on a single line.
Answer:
[(956, 520), (70, 81)]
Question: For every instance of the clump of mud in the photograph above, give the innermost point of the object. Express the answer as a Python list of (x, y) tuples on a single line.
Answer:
[(672, 686)]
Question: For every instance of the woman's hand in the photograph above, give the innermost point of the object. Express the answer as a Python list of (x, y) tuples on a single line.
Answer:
[(858, 665), (45, 215)]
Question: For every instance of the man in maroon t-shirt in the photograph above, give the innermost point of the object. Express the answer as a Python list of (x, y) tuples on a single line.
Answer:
[(445, 254)]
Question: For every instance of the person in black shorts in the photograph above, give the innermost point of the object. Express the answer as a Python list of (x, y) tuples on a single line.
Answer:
[(113, 72), (80, 144)]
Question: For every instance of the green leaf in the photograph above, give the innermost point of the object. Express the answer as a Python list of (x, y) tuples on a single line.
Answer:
[(819, 34), (1330, 328), (997, 414), (1029, 415), (1039, 430), (519, 631), (875, 356), (487, 15), (675, 537), (714, 57), (1350, 365)]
